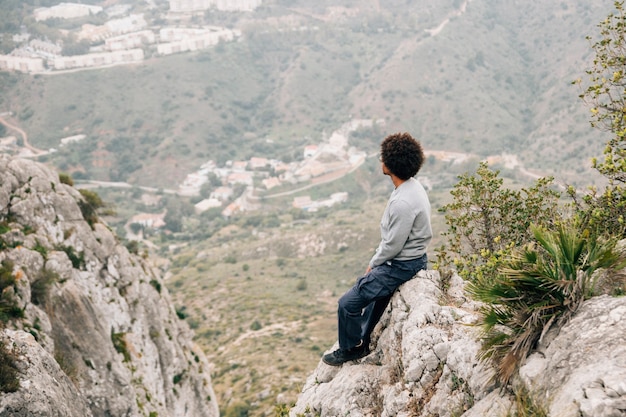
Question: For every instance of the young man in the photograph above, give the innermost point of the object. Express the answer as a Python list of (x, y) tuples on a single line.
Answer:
[(405, 234)]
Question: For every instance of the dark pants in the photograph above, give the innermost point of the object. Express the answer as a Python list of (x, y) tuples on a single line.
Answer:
[(361, 306)]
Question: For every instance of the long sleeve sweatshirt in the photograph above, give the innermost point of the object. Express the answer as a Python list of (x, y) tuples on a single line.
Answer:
[(405, 228)]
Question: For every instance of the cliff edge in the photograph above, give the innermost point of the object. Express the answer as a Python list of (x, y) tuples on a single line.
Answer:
[(424, 363), (90, 327)]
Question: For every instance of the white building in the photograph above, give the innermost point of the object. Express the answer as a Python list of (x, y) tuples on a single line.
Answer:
[(22, 64), (194, 42), (200, 5), (99, 59), (130, 41), (65, 11), (207, 204), (45, 48), (128, 24), (222, 193)]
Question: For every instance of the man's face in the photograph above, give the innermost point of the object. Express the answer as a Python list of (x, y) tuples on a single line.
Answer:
[(385, 169)]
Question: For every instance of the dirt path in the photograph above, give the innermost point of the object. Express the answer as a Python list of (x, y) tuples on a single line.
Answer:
[(456, 13), (27, 145)]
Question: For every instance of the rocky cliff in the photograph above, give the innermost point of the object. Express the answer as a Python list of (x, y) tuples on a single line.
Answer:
[(90, 326), (424, 363)]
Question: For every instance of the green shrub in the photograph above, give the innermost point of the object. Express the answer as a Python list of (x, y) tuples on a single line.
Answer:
[(302, 285), (525, 405), (182, 313), (41, 249), (601, 213), (486, 221), (156, 284), (66, 179), (9, 373), (133, 246), (178, 377), (77, 259), (539, 286), (120, 344), (8, 305), (605, 212), (40, 287), (89, 205)]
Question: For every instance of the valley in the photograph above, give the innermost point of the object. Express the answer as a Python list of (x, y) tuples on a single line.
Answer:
[(474, 80)]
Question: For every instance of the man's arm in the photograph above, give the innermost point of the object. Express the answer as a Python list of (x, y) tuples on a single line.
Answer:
[(395, 231)]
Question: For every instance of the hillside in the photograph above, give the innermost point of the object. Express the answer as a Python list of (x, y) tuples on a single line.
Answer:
[(477, 77), (90, 326), (482, 77), (424, 363)]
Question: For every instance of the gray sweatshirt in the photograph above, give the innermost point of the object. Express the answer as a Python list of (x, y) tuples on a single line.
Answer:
[(405, 229)]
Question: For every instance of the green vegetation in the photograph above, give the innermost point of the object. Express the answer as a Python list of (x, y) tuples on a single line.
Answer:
[(120, 344), (539, 286), (9, 307), (533, 265), (526, 404), (487, 220), (9, 372), (40, 287), (89, 206), (66, 179), (286, 85), (77, 259), (605, 212)]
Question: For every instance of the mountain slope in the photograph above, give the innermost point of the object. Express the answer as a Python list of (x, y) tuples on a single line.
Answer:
[(424, 363), (93, 310), (475, 76)]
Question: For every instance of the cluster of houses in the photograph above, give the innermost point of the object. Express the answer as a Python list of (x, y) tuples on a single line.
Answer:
[(258, 176), (320, 163), (326, 161), (120, 40)]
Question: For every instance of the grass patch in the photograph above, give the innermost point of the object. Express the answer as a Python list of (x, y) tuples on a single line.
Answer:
[(9, 308), (40, 287), (121, 345)]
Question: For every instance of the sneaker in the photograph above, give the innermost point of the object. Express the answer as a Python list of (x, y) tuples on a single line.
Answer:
[(338, 357)]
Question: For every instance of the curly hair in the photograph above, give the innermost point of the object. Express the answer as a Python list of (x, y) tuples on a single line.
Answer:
[(402, 155)]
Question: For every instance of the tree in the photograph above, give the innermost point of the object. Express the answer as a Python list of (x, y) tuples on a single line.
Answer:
[(605, 212), (486, 220)]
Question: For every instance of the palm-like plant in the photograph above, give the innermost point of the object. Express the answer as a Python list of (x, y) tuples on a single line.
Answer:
[(540, 286)]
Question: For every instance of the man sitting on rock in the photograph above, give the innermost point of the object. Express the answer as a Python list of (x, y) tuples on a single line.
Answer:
[(405, 231)]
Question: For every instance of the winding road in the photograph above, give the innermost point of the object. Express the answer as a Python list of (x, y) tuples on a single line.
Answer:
[(31, 151)]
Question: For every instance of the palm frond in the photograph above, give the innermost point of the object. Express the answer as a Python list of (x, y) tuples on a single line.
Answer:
[(539, 286)]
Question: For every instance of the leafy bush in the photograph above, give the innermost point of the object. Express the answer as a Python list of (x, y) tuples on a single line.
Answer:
[(156, 284), (8, 304), (605, 212), (66, 179), (9, 380), (486, 221), (40, 287), (121, 345), (540, 286), (89, 205), (77, 259)]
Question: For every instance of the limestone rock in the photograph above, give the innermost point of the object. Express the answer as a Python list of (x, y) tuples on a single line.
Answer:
[(583, 370), (424, 363), (45, 388), (99, 311)]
